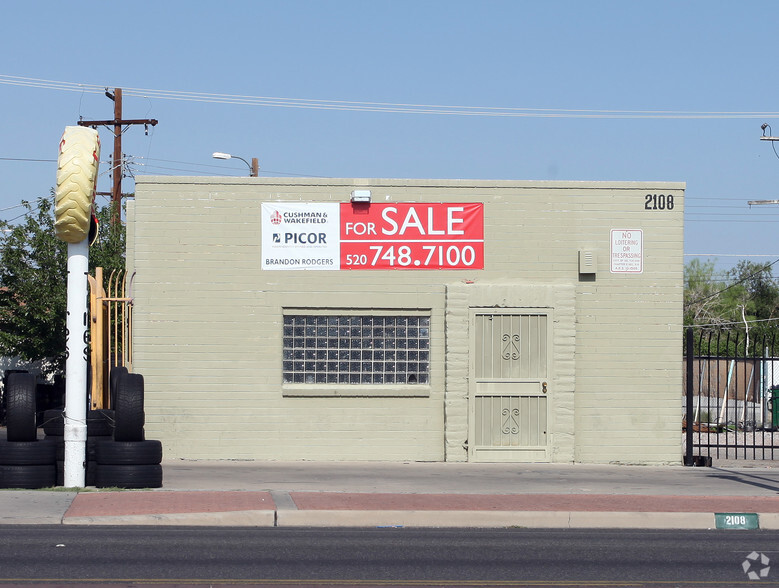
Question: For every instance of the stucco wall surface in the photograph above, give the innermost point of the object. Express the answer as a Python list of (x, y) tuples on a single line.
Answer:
[(208, 320)]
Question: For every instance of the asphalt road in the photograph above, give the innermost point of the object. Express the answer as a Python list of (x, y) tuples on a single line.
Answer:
[(180, 556)]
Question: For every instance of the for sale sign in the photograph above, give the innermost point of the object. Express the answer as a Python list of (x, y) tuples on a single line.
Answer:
[(412, 236), (332, 236)]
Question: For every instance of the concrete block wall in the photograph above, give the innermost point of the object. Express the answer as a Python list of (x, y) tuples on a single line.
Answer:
[(208, 321)]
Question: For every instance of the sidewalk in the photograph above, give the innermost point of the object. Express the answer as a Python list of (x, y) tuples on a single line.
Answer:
[(368, 494)]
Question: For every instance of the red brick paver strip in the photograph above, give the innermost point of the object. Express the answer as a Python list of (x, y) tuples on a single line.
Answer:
[(534, 502), (95, 504)]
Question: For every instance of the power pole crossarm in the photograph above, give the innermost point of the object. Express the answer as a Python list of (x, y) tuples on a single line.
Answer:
[(128, 121)]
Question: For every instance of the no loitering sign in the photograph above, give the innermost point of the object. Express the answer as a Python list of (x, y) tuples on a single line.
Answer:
[(627, 251)]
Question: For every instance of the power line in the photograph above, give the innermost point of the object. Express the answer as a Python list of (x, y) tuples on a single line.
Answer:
[(28, 159), (139, 161), (727, 255), (724, 220), (30, 209), (387, 107)]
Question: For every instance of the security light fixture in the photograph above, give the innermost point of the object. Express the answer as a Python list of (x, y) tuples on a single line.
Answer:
[(254, 166), (361, 196)]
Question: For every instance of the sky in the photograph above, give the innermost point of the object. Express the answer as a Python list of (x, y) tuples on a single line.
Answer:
[(503, 89)]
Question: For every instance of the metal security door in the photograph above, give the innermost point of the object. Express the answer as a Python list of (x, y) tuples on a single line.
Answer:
[(509, 386)]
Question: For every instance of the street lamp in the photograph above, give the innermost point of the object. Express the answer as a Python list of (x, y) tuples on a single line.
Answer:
[(254, 166), (773, 140)]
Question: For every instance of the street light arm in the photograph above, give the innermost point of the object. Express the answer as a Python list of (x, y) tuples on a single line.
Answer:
[(242, 159)]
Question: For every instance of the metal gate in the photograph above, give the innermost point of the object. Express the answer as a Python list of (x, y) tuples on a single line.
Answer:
[(111, 323), (509, 386), (731, 396)]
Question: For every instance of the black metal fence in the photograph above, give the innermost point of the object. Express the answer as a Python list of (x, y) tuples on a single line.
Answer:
[(731, 392)]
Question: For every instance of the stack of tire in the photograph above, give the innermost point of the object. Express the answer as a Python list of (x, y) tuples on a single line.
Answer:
[(127, 460), (117, 454), (100, 427), (25, 462)]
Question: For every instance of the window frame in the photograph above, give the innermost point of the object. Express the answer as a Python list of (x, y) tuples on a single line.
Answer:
[(337, 389)]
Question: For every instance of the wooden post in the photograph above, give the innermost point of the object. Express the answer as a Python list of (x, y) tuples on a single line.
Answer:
[(97, 338)]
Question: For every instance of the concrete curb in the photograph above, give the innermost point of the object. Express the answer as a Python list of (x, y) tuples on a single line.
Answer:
[(504, 519), (416, 518), (245, 518)]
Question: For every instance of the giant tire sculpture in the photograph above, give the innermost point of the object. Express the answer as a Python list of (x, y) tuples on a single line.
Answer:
[(128, 409), (20, 407), (77, 165)]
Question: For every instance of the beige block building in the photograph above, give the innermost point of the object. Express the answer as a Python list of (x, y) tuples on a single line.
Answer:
[(443, 320)]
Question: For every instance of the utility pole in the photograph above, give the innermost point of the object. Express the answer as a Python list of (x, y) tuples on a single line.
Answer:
[(117, 165)]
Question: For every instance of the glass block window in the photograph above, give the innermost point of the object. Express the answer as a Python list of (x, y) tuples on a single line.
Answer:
[(331, 349)]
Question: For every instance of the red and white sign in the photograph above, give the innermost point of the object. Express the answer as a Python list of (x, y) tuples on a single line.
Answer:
[(412, 236), (335, 236)]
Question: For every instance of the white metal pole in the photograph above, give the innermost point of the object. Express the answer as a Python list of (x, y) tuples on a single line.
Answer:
[(76, 366)]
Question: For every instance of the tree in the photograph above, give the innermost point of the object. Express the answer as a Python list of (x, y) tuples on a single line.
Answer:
[(740, 309), (702, 304), (108, 251), (753, 297), (33, 282)]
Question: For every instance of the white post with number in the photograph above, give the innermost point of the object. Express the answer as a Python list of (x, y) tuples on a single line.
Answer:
[(77, 165), (76, 366)]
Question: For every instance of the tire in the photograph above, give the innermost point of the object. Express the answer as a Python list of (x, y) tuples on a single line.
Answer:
[(28, 476), (27, 453), (90, 450), (93, 443), (53, 423), (128, 476), (90, 474), (129, 417), (77, 164), (114, 375), (20, 407), (58, 442), (99, 422), (129, 453)]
